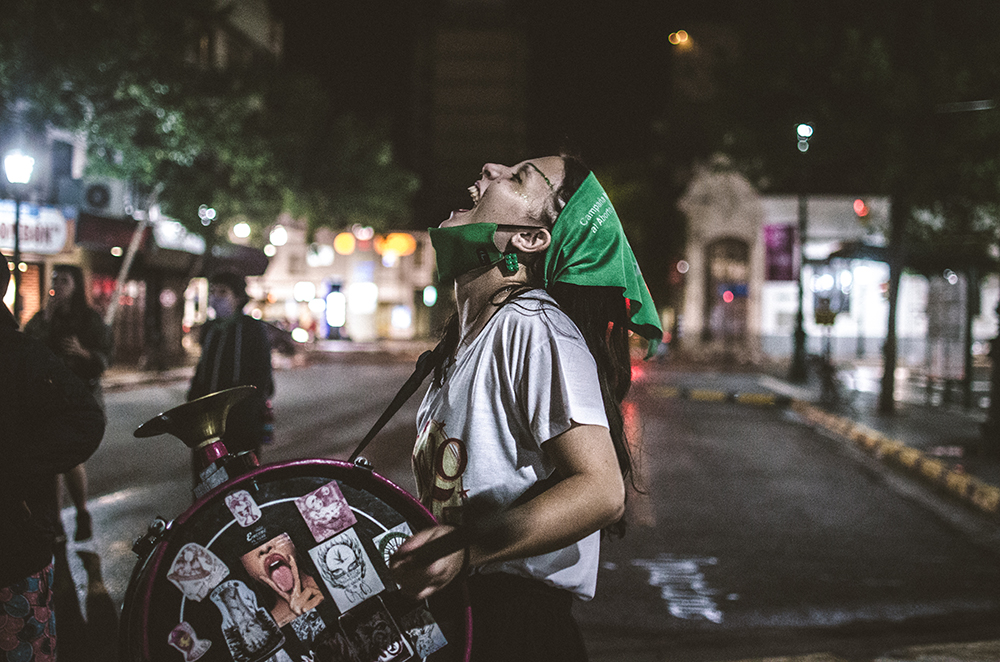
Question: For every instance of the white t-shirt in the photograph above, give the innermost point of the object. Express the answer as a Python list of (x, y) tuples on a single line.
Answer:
[(522, 381)]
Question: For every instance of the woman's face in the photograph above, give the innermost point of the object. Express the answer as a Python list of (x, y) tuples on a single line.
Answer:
[(512, 195), (274, 564), (62, 287)]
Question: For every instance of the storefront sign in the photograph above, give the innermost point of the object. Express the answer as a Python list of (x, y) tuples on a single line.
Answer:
[(42, 229)]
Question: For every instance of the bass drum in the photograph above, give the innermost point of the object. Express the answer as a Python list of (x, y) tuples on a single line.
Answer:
[(288, 562)]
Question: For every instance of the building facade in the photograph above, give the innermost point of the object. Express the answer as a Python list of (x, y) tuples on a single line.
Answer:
[(744, 258)]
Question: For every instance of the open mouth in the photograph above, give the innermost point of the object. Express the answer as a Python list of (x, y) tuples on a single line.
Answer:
[(280, 572), (476, 195)]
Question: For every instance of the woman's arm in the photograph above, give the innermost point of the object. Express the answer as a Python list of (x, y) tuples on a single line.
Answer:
[(93, 345), (589, 496)]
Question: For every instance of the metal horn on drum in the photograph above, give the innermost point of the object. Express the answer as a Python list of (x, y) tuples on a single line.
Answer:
[(283, 561), (199, 421)]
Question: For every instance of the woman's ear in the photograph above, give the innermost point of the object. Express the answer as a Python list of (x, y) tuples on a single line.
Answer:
[(533, 240)]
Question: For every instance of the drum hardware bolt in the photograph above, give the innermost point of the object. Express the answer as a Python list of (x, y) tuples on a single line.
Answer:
[(363, 463), (145, 544)]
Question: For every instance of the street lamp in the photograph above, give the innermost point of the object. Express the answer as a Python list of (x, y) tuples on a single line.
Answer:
[(17, 166), (798, 370)]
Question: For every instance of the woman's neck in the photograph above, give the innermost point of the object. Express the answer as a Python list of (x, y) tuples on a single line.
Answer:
[(480, 295)]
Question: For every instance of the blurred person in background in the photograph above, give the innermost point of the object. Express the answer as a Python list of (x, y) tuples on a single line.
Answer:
[(75, 332), (49, 423), (235, 351)]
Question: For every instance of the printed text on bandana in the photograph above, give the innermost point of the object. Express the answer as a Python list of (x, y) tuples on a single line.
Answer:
[(598, 213)]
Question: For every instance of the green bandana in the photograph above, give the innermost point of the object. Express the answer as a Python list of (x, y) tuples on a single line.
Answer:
[(589, 248), (462, 248)]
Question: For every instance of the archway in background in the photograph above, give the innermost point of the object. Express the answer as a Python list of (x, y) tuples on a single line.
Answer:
[(727, 285)]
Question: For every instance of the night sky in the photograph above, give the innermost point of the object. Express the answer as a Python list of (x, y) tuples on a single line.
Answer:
[(597, 69)]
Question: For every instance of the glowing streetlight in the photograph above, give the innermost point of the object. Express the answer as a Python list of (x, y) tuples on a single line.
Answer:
[(798, 369), (804, 132), (279, 236), (241, 230), (206, 214), (18, 166)]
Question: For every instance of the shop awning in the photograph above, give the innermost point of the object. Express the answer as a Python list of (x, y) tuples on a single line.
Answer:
[(959, 253), (167, 245), (102, 234)]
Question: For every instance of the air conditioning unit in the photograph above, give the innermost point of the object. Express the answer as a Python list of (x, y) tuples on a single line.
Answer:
[(106, 196)]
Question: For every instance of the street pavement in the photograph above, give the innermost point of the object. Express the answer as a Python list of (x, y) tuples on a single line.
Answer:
[(935, 450)]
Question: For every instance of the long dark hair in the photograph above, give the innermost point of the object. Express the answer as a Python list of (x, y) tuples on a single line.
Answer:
[(78, 304), (601, 315)]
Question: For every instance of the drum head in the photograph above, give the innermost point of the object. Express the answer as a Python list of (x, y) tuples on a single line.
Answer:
[(289, 563)]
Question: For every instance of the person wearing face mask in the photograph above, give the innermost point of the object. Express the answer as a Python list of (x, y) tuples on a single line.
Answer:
[(235, 351), (76, 334), (521, 446)]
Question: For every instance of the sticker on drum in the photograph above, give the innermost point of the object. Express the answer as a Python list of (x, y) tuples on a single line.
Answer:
[(196, 571), (346, 570), (205, 548), (243, 507), (275, 565), (388, 542), (423, 631), (250, 632), (187, 642), (374, 634), (336, 647), (326, 511), (308, 627)]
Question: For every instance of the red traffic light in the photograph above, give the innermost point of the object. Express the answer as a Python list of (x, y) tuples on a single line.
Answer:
[(860, 208)]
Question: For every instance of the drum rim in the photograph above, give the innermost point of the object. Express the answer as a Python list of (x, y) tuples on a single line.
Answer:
[(156, 557)]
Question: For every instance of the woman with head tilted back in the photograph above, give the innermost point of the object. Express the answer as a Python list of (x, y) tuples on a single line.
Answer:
[(520, 436)]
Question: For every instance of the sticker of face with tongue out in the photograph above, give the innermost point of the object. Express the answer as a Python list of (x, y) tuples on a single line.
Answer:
[(275, 564)]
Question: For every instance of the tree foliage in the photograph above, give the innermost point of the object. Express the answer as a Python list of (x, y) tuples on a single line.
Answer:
[(888, 86), (138, 79)]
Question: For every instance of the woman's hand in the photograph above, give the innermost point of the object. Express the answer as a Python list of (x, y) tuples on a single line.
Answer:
[(421, 581), (73, 347)]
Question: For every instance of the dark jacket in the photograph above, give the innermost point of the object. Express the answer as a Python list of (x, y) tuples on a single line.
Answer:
[(237, 352), (93, 334), (49, 423)]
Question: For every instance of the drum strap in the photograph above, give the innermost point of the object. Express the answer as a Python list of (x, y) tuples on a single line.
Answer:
[(458, 538), (425, 364)]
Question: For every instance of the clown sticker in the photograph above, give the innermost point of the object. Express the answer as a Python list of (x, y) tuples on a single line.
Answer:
[(183, 638), (243, 507), (325, 511), (196, 571)]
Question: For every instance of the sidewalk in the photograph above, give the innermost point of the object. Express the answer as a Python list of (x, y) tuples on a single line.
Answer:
[(123, 377), (940, 446)]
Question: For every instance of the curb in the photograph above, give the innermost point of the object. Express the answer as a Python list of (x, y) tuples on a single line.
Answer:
[(972, 491), (709, 395)]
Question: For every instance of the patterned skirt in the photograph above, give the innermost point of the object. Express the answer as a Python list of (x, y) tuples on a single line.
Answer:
[(27, 620)]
